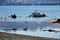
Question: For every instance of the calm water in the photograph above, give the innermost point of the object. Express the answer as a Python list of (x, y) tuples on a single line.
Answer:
[(50, 11)]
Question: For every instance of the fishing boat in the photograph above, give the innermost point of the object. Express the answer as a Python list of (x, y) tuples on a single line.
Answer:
[(37, 13)]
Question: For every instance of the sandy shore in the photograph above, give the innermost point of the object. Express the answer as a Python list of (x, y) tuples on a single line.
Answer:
[(52, 20), (7, 36), (57, 25)]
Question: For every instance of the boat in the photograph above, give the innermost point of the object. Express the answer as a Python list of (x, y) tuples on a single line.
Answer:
[(37, 13)]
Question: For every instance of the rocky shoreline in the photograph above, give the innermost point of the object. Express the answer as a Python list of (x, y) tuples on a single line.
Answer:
[(8, 36)]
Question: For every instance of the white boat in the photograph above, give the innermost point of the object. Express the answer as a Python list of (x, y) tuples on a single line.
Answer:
[(38, 13)]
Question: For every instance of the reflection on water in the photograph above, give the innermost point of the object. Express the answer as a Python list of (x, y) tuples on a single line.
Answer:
[(22, 25)]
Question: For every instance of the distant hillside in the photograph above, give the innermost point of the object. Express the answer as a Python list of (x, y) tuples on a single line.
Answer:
[(29, 2)]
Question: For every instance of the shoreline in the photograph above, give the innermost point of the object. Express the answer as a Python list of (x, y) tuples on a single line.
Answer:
[(8, 36)]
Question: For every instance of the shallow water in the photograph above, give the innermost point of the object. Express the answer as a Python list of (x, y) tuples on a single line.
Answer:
[(37, 33), (34, 29)]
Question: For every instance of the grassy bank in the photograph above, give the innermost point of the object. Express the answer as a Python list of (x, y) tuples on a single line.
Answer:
[(7, 36)]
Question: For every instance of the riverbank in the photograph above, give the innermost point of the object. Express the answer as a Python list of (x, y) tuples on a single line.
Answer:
[(8, 36)]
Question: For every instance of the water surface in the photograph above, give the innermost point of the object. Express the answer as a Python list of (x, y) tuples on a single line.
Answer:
[(50, 11)]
